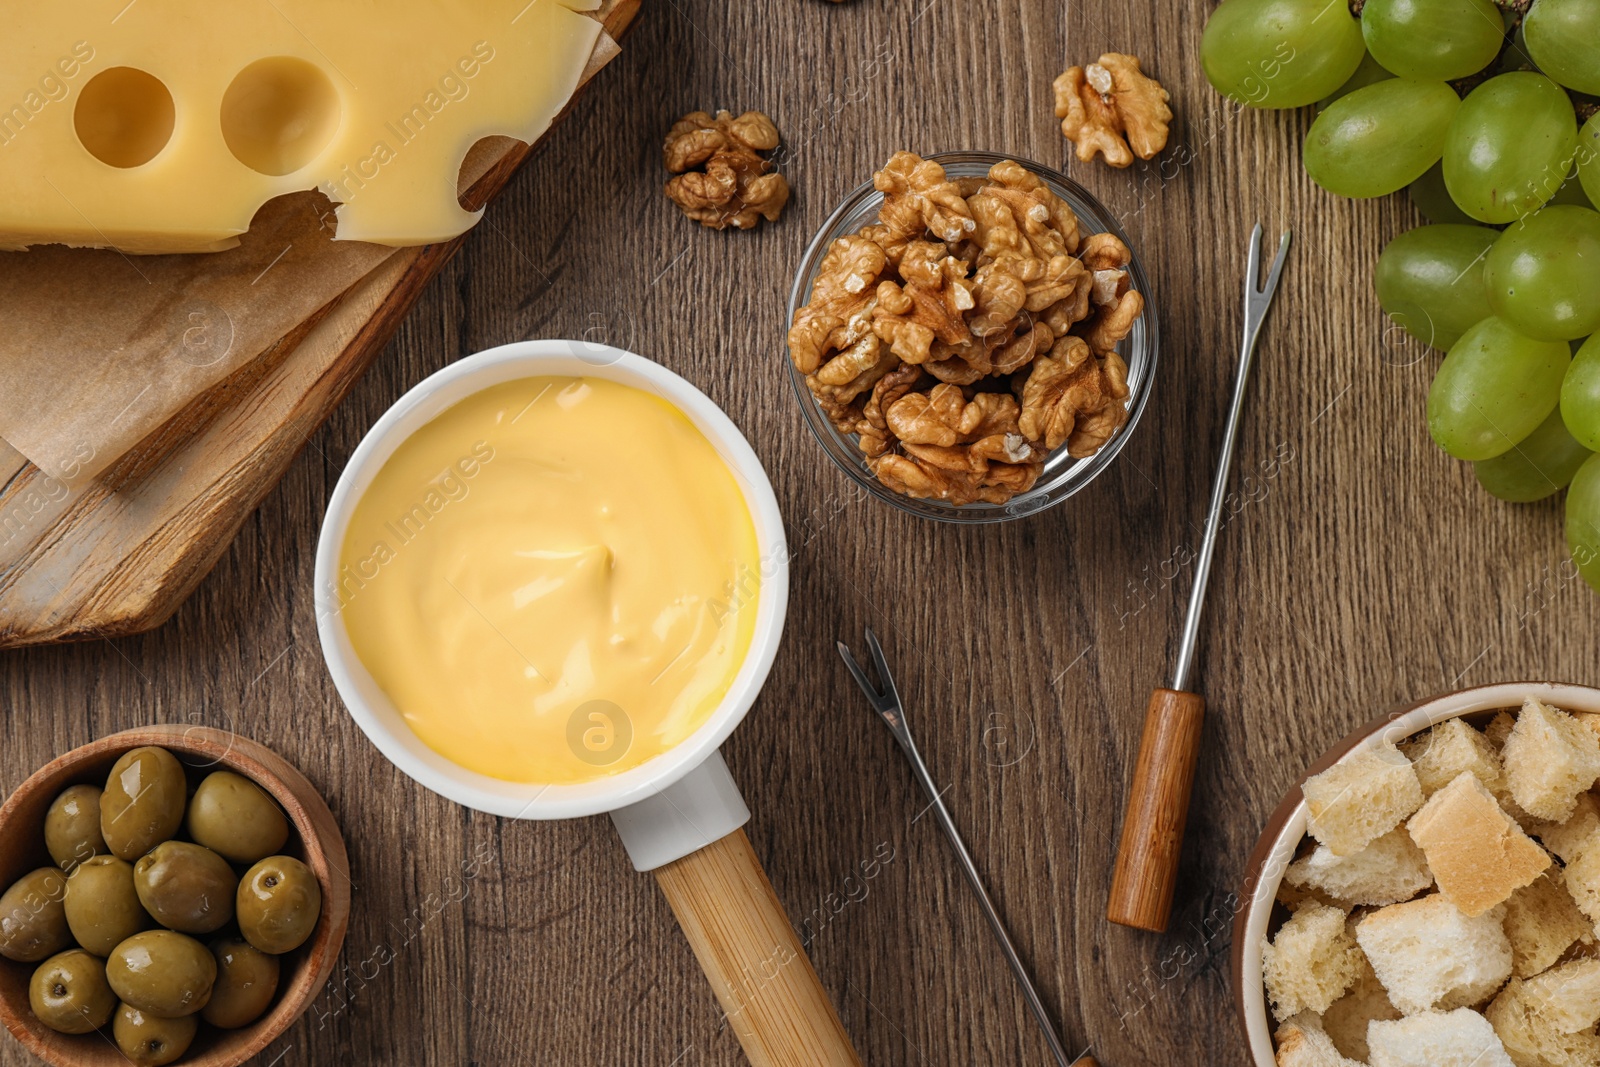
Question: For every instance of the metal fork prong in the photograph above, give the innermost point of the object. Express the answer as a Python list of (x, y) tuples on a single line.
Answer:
[(891, 692), (1276, 272), (1252, 272), (872, 694)]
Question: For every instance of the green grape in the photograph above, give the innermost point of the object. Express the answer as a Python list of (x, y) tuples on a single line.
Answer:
[(1439, 39), (1381, 138), (1543, 274), (1510, 146), (1580, 395), (1589, 158), (1280, 53), (1368, 73), (1432, 199), (1571, 192), (1583, 521), (1540, 464), (1515, 57), (1430, 281), (1564, 39), (1493, 389)]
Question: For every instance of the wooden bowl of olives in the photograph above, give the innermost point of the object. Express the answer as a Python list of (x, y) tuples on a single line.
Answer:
[(170, 894)]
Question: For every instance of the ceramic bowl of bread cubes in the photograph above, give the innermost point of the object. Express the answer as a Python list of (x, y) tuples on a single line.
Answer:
[(1430, 892)]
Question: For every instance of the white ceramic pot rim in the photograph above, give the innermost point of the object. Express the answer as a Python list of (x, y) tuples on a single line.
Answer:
[(371, 708), (1258, 1025)]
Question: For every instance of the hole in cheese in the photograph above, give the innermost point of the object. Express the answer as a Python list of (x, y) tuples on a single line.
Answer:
[(278, 114), (124, 117)]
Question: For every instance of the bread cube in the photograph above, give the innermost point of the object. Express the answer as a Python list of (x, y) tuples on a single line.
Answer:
[(1499, 729), (1588, 719), (1549, 759), (1292, 896), (1477, 854), (1347, 1018), (1389, 870), (1429, 955), (1567, 838), (1533, 1042), (1567, 997), (1302, 1043), (1447, 750), (1311, 962), (1460, 1038), (1361, 798), (1542, 922), (1582, 880)]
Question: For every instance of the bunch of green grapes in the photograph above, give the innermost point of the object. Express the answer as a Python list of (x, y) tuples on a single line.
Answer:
[(1489, 119)]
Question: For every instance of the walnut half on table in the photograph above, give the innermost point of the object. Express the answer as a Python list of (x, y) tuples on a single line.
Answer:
[(734, 185), (1111, 108), (968, 333)]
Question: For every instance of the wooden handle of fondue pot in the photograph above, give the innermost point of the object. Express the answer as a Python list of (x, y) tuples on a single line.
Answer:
[(1158, 808), (757, 966)]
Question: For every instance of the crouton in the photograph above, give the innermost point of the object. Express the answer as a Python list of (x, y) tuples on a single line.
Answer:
[(1311, 962), (1582, 880), (1361, 798), (1477, 854), (1499, 729), (1549, 760), (1566, 997), (1346, 1019), (1449, 749), (1302, 1043), (1533, 1042), (1459, 1038), (1429, 955), (1389, 870), (1542, 922), (1293, 896), (1567, 838), (1588, 719)]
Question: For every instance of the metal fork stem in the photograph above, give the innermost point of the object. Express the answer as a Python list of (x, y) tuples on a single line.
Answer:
[(890, 709), (970, 869), (1256, 303)]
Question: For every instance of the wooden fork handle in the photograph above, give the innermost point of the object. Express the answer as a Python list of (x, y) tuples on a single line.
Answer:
[(1158, 807)]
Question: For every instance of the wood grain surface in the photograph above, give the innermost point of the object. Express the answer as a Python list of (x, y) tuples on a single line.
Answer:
[(1360, 567)]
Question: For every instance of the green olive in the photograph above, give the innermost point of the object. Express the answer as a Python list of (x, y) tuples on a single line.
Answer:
[(149, 1040), (234, 817), (103, 908), (72, 826), (162, 973), (279, 901), (33, 924), (246, 980), (69, 993), (186, 887), (142, 805)]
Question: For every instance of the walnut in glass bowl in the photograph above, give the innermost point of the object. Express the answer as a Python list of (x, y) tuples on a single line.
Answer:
[(963, 349)]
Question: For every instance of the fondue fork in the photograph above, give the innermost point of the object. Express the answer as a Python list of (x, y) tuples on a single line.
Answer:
[(1146, 870), (892, 712)]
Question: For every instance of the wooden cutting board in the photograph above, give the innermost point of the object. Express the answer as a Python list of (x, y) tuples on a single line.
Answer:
[(119, 554)]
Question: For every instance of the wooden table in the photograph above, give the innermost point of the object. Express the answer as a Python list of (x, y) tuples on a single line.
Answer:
[(1362, 567)]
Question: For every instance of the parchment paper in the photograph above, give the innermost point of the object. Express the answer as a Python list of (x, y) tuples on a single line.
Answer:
[(98, 349)]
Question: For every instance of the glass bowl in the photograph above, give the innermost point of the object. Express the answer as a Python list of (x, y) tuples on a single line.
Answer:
[(1062, 475)]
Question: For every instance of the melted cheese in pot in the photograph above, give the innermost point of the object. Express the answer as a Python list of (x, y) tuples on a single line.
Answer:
[(554, 580)]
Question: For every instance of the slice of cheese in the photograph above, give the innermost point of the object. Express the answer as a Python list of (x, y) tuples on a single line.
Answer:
[(162, 125)]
